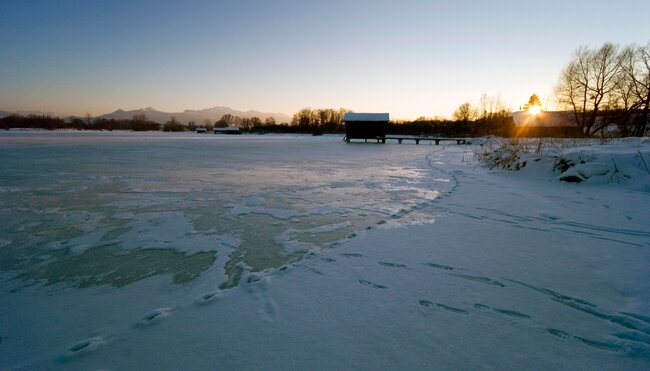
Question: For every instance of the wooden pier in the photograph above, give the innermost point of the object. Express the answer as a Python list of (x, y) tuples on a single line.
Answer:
[(417, 140)]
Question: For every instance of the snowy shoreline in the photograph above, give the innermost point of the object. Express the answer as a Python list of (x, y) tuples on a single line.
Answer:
[(517, 270)]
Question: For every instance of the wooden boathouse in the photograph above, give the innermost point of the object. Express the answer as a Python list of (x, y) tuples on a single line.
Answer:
[(365, 126), (373, 126)]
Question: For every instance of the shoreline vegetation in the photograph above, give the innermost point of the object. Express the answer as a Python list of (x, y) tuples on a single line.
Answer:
[(306, 121)]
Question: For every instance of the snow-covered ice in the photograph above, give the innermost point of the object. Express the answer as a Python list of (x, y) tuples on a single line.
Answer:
[(157, 251)]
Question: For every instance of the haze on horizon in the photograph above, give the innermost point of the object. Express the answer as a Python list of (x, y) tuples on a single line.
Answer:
[(409, 58)]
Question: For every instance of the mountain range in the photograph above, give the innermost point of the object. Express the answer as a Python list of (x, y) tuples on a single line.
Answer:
[(198, 116)]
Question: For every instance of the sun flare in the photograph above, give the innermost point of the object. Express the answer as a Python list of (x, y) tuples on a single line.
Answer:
[(535, 110)]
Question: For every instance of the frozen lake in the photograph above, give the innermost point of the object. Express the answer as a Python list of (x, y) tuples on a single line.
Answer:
[(186, 251), (89, 204)]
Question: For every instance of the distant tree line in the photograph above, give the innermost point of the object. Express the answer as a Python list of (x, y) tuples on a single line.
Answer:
[(137, 123), (490, 118), (468, 122), (306, 121), (320, 120), (32, 122)]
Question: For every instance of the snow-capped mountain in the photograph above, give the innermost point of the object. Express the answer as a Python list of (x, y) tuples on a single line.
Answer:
[(213, 114)]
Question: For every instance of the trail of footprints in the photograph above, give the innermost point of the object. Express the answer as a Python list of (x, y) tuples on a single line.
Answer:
[(550, 223), (635, 338)]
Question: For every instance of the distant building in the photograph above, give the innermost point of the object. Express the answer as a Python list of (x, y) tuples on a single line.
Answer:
[(229, 130), (365, 126), (201, 130), (543, 119), (608, 123)]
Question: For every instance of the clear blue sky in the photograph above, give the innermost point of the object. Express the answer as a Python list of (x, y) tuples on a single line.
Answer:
[(409, 58)]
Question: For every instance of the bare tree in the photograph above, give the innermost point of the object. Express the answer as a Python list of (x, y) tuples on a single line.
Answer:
[(228, 120), (245, 123), (222, 122), (636, 83), (587, 85), (623, 103), (303, 118), (491, 107), (255, 122), (139, 117), (465, 113), (173, 125)]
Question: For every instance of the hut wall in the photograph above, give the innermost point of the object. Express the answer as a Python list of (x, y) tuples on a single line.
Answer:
[(365, 129)]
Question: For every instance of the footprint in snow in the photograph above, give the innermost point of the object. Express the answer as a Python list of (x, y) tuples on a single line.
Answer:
[(430, 304), (439, 266), (480, 279), (352, 255), (153, 317), (373, 285), (209, 297), (451, 309), (392, 265), (82, 348), (310, 269), (506, 312), (605, 345)]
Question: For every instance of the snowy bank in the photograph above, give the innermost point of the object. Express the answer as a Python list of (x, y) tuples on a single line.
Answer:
[(625, 162)]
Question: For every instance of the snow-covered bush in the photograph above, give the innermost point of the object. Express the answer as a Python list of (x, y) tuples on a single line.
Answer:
[(577, 167), (621, 161), (503, 155)]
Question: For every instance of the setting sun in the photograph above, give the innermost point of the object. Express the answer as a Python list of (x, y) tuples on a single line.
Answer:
[(534, 109)]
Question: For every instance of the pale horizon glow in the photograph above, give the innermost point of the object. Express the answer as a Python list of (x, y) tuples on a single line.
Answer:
[(411, 59)]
